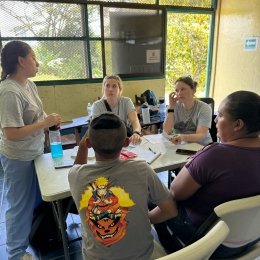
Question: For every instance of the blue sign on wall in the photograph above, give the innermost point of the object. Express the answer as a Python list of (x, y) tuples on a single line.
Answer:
[(250, 44)]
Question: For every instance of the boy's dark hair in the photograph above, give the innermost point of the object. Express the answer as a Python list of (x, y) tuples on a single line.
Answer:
[(107, 135)]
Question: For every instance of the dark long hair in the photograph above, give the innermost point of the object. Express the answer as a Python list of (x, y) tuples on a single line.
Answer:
[(9, 56)]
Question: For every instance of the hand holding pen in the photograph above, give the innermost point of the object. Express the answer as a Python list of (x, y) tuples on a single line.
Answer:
[(176, 139)]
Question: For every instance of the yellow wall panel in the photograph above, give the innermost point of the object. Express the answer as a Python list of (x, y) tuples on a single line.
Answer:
[(235, 68), (71, 101)]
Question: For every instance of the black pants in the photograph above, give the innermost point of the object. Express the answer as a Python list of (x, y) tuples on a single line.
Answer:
[(176, 231)]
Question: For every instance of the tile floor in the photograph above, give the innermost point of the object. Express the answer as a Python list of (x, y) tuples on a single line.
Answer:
[(73, 229)]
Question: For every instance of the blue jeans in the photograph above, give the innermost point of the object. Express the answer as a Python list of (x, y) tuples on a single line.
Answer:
[(22, 196)]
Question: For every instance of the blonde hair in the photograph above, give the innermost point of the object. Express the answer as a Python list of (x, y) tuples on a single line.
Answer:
[(119, 82)]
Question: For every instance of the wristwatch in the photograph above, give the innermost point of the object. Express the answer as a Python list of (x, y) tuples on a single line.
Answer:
[(170, 110), (136, 132)]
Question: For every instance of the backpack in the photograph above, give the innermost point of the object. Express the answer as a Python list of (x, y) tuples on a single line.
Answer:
[(150, 97), (45, 234)]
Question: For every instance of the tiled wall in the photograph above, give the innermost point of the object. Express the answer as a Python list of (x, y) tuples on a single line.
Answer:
[(71, 100)]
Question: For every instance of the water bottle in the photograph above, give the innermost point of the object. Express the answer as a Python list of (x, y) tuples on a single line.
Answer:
[(145, 113), (89, 108), (55, 142), (162, 110)]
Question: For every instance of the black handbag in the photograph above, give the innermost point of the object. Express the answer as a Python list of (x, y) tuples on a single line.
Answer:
[(128, 129)]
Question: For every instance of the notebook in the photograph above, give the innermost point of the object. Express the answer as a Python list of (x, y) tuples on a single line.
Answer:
[(148, 155)]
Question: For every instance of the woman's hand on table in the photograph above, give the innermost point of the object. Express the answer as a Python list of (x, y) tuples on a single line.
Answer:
[(176, 139), (135, 138)]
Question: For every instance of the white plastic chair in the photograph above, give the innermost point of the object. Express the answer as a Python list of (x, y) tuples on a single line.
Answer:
[(204, 247), (243, 219)]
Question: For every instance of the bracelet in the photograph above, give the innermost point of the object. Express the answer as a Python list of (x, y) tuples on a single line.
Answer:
[(136, 132), (170, 110)]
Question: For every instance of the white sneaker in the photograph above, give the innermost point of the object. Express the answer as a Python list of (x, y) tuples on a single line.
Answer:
[(28, 256)]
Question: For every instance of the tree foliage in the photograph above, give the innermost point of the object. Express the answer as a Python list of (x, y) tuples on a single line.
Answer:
[(187, 48), (59, 59)]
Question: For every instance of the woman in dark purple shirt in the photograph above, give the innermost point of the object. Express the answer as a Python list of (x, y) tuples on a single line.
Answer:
[(220, 172)]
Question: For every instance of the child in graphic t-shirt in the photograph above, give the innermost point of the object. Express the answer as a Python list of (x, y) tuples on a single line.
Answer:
[(112, 195)]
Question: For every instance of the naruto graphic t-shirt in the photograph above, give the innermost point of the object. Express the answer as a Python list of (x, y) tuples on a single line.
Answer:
[(112, 198)]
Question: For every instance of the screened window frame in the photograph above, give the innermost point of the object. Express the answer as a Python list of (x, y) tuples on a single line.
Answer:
[(87, 40)]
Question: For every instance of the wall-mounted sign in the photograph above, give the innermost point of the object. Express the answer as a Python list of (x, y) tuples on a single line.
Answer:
[(153, 56), (250, 44)]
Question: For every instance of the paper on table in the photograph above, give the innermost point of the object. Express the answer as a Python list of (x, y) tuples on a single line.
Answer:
[(156, 139), (91, 153), (126, 154), (148, 155), (63, 164)]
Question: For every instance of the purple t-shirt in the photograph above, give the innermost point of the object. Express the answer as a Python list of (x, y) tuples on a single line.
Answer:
[(225, 172)]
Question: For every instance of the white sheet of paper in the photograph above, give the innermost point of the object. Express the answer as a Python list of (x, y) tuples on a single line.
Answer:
[(156, 139), (91, 153)]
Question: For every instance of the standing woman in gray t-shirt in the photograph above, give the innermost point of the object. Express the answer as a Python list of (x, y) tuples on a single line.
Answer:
[(188, 119), (22, 124)]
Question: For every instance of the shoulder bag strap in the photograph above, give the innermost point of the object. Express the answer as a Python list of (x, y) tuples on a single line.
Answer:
[(107, 106)]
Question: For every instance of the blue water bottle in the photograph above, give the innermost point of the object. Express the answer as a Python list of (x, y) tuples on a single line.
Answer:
[(162, 109), (55, 142)]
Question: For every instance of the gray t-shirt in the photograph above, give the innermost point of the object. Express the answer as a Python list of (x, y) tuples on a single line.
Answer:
[(186, 122), (124, 107), (112, 201), (20, 106)]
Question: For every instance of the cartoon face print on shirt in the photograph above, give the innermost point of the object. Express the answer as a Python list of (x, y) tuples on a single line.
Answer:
[(106, 208)]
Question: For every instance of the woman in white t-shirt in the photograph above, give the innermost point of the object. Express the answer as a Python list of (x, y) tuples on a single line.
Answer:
[(188, 119)]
